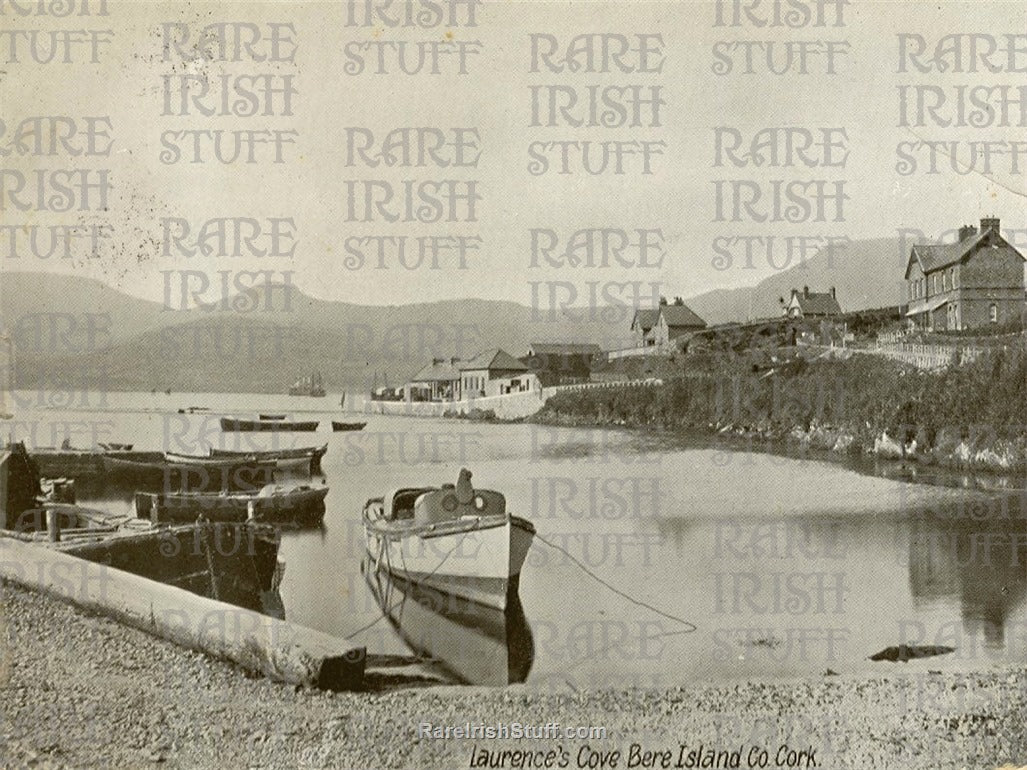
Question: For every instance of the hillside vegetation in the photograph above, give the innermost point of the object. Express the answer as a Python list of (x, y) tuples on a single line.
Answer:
[(974, 413)]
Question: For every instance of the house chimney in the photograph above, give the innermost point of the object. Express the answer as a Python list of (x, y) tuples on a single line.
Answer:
[(967, 231), (805, 291), (832, 293), (990, 223)]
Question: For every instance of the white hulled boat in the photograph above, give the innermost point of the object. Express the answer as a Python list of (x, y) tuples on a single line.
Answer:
[(455, 539)]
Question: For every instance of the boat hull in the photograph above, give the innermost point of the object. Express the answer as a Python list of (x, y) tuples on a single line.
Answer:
[(80, 464), (246, 475), (267, 426), (302, 459), (339, 427), (302, 507), (480, 562)]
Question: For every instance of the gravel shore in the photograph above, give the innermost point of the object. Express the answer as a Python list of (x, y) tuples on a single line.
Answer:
[(83, 691)]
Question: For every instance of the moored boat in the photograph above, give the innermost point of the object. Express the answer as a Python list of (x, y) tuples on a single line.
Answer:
[(298, 505), (283, 426), (455, 539), (305, 458), (192, 474), (82, 463), (338, 427), (271, 416)]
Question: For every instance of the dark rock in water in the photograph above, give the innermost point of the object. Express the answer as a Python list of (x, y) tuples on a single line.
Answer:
[(904, 652)]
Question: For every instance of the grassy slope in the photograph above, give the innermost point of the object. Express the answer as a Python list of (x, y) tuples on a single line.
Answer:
[(981, 403)]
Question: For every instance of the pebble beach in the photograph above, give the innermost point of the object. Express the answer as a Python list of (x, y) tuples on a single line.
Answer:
[(79, 690)]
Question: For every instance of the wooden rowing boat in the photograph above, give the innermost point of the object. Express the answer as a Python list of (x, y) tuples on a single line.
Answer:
[(82, 463), (338, 427), (193, 474), (258, 425), (308, 458), (298, 505)]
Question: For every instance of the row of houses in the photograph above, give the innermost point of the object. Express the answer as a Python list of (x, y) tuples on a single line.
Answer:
[(975, 282), (495, 372)]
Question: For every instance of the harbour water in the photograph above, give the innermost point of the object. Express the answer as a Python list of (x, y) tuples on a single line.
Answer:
[(786, 566)]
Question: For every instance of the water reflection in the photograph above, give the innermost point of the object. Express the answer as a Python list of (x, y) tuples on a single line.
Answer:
[(473, 643), (981, 564)]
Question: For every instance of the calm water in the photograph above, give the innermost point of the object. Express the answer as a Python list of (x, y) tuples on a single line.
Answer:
[(787, 566)]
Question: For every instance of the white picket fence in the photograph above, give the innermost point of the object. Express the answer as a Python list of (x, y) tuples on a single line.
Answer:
[(599, 385), (926, 356), (649, 350)]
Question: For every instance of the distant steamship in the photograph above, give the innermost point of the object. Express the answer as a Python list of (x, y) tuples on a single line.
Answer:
[(308, 386)]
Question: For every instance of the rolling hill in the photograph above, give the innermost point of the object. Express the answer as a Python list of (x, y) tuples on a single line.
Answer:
[(77, 332)]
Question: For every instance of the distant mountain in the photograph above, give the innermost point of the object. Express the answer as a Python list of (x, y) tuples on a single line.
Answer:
[(865, 274), (74, 332), (30, 301)]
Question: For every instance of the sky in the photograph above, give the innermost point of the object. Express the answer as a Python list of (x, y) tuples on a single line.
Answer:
[(676, 204)]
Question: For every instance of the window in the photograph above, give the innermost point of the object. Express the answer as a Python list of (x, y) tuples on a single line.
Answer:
[(993, 313), (952, 277)]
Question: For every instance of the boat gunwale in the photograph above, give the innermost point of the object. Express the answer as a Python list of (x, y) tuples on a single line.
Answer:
[(379, 525), (290, 453)]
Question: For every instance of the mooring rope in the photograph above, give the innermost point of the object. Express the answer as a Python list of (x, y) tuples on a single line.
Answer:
[(386, 608), (690, 627)]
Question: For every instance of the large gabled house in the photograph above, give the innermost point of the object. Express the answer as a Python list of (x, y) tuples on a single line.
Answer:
[(812, 304), (642, 323), (656, 327), (975, 282), (674, 321)]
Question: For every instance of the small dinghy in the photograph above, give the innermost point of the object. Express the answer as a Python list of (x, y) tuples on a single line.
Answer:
[(230, 424), (338, 427), (455, 539)]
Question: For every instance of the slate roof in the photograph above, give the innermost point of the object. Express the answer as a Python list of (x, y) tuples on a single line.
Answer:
[(681, 315), (646, 318), (817, 303), (438, 372), (932, 257), (494, 359)]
